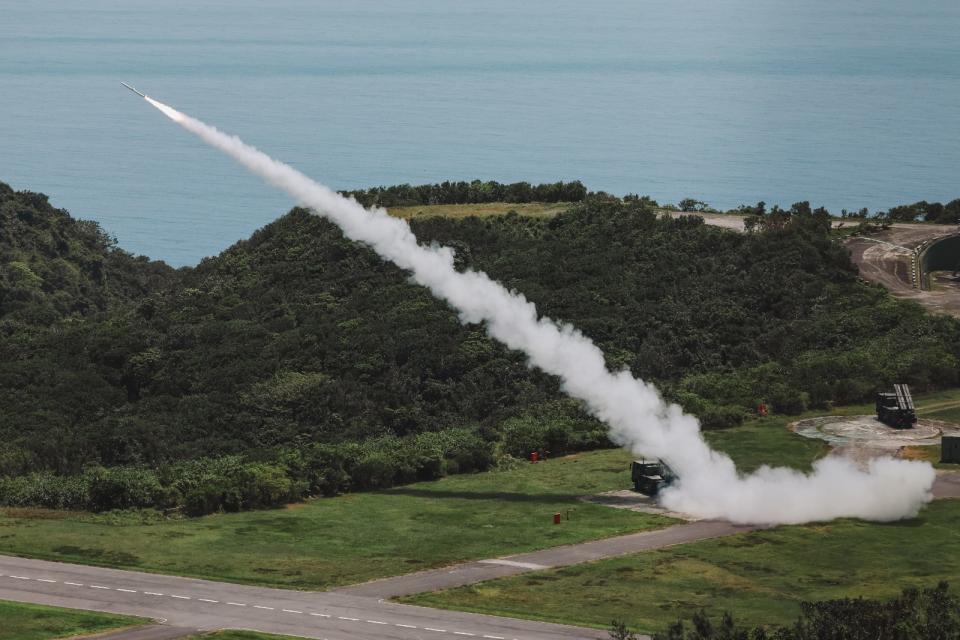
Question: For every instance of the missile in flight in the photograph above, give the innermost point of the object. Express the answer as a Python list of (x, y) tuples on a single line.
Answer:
[(132, 89)]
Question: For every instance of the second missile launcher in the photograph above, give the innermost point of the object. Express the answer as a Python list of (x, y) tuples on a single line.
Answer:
[(896, 409)]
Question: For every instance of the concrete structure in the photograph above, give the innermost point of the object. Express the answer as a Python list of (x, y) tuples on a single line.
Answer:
[(942, 254), (950, 449)]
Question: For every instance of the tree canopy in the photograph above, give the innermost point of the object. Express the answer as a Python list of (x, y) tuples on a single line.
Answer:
[(300, 349)]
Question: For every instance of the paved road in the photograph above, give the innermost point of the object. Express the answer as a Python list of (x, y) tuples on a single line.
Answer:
[(471, 572), (149, 632), (357, 612), (204, 605), (947, 485)]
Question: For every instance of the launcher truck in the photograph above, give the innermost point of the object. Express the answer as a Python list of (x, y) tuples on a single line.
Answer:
[(649, 477), (896, 409)]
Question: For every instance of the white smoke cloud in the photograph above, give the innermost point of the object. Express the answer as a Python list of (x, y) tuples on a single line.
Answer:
[(638, 418)]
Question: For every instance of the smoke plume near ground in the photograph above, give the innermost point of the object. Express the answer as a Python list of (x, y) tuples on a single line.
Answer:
[(638, 418)]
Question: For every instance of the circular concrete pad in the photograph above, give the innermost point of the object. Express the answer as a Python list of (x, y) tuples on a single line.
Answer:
[(867, 432)]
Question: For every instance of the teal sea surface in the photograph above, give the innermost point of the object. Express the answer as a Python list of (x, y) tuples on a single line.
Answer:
[(845, 103)]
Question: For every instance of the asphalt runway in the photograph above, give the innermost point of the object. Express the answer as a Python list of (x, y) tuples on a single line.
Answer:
[(147, 632), (203, 605), (360, 611)]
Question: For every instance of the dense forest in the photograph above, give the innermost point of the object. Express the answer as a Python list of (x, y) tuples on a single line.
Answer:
[(299, 363), (462, 192), (927, 211)]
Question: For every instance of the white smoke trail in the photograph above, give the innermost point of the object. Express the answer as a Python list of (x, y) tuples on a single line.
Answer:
[(709, 485)]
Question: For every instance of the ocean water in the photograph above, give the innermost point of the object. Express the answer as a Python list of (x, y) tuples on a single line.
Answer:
[(845, 103)]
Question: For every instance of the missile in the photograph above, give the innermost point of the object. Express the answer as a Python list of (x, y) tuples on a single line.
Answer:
[(132, 89)]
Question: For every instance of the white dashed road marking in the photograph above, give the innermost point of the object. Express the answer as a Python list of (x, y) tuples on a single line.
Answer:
[(255, 606)]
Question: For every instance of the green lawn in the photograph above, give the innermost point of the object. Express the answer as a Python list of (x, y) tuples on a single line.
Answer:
[(533, 209), (759, 577), (33, 622), (353, 538), (948, 412), (767, 441)]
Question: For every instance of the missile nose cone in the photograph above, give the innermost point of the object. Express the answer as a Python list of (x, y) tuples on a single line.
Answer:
[(132, 89)]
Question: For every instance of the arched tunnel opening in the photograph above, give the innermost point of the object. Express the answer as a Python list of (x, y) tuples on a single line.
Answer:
[(942, 255)]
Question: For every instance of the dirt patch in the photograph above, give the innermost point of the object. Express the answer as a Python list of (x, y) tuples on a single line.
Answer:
[(914, 453), (885, 258), (99, 555), (633, 501)]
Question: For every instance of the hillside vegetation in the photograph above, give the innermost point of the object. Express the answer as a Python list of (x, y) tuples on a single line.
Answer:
[(54, 267), (299, 363)]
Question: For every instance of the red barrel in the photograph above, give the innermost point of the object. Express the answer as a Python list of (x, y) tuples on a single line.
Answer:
[(534, 456), (556, 518)]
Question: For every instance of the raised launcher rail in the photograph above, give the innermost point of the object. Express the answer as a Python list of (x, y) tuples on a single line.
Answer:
[(896, 409), (650, 477)]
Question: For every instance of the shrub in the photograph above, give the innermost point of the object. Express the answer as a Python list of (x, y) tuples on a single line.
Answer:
[(122, 488), (788, 401), (714, 416)]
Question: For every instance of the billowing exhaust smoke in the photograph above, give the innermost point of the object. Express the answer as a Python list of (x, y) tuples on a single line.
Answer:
[(639, 419)]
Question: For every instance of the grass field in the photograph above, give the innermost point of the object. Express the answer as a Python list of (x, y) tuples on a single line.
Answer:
[(32, 622), (533, 209), (352, 538), (767, 441), (349, 539), (759, 577)]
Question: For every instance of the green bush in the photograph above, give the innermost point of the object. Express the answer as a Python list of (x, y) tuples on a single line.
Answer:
[(122, 488), (714, 416), (45, 490), (375, 470), (524, 435), (788, 401)]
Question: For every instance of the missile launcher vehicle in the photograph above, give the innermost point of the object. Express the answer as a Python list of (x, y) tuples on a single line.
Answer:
[(896, 409), (649, 477)]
